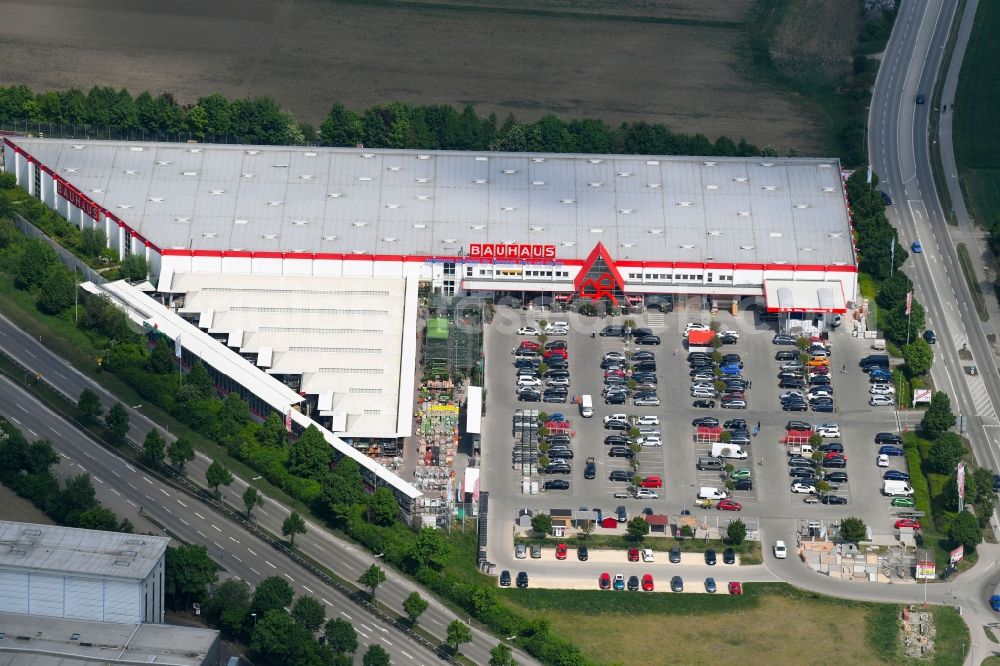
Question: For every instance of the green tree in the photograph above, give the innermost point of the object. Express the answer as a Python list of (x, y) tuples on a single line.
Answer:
[(92, 242), (541, 523), (273, 434), (134, 268), (372, 578), (637, 528), (458, 633), (341, 636), (893, 291), (233, 416), (199, 381), (217, 475), (938, 418), (979, 485), (945, 452), (276, 639), (98, 518), (382, 507), (154, 447), (271, 594), (430, 549), (252, 499), (58, 290), (308, 613), (918, 356), (180, 452), (76, 497), (414, 606), (343, 488), (228, 606), (737, 532), (117, 424), (88, 408), (188, 571), (965, 531), (375, 656), (502, 655), (896, 323), (309, 456), (34, 263), (853, 530), (293, 525)]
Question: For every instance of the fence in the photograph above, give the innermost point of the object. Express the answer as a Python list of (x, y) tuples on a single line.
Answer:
[(70, 260)]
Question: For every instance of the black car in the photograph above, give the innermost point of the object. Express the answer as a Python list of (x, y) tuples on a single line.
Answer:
[(648, 340), (886, 199), (558, 363), (641, 377), (795, 407), (559, 468), (826, 407), (582, 553), (703, 356), (620, 452), (801, 472), (633, 583), (798, 425), (791, 384), (590, 471), (530, 396), (558, 440), (615, 399), (615, 424), (522, 579), (835, 463), (703, 404), (833, 499), (612, 332), (705, 422), (710, 557), (819, 380), (930, 337), (831, 446), (616, 440), (505, 578), (786, 355), (921, 98), (675, 555), (741, 439), (996, 483), (729, 556), (782, 340), (743, 484), (526, 363), (735, 424), (836, 477), (560, 452), (677, 584), (554, 397), (556, 344), (888, 438), (729, 339), (644, 366), (620, 475)]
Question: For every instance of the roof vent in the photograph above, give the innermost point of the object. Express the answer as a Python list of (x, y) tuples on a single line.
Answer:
[(280, 165), (155, 199), (479, 181), (449, 241), (770, 188), (269, 236), (163, 163), (596, 230), (507, 208), (358, 251), (781, 261), (840, 263), (194, 151), (78, 146), (535, 228), (595, 161), (367, 156), (746, 247), (568, 243), (306, 176), (394, 168), (131, 172), (652, 162), (807, 249), (124, 206), (190, 173), (744, 213), (182, 219), (624, 174), (329, 237), (249, 175), (741, 179), (389, 239), (595, 184), (358, 225), (364, 179), (241, 221), (767, 164), (685, 204), (300, 223), (825, 166), (828, 189), (335, 195), (423, 157), (801, 206), (276, 202), (656, 232), (628, 244), (654, 185), (711, 187), (510, 172), (711, 164), (775, 234), (209, 234), (835, 234), (216, 192), (97, 190), (252, 152), (626, 211), (419, 226), (71, 170), (714, 232), (567, 201), (121, 563), (297, 250), (423, 197), (687, 247), (392, 205), (478, 227), (482, 159), (309, 154), (423, 180), (538, 182)]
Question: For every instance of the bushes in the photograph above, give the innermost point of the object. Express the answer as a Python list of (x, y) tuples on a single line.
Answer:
[(914, 462)]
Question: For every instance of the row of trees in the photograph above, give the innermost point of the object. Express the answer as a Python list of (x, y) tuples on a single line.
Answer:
[(392, 125)]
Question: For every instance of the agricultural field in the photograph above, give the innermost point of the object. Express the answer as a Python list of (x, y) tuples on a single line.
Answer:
[(684, 63)]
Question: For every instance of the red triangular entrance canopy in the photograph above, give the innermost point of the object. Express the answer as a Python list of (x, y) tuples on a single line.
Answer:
[(598, 277)]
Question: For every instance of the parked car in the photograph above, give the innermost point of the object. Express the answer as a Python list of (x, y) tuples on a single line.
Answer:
[(735, 588), (619, 582), (907, 522), (729, 556), (889, 450), (676, 584), (647, 583), (556, 484), (620, 475), (710, 557), (834, 499), (604, 581), (522, 579), (705, 422), (710, 585), (729, 505), (704, 404), (675, 555), (504, 578)]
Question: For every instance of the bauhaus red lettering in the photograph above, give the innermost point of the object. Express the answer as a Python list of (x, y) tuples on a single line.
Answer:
[(511, 251), (83, 203)]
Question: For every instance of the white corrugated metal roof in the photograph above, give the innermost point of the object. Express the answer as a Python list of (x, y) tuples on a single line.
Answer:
[(804, 296), (344, 200)]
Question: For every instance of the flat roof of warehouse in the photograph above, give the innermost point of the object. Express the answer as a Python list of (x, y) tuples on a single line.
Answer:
[(436, 203)]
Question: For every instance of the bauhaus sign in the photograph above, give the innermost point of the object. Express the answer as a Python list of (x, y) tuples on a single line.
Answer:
[(83, 203), (511, 251)]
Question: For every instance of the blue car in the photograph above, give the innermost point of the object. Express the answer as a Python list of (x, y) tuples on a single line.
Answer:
[(995, 602), (730, 369), (896, 475), (890, 450), (559, 417), (917, 247)]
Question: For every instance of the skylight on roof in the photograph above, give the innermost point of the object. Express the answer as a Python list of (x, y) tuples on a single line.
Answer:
[(479, 181), (216, 192), (78, 146), (687, 247), (419, 226), (537, 160), (654, 185), (190, 173), (596, 230), (449, 241), (241, 221), (423, 197), (741, 179), (537, 228), (800, 206), (538, 182), (711, 187), (389, 239), (394, 168), (252, 152), (482, 159), (568, 243), (478, 227), (626, 211), (595, 161), (767, 164), (131, 172), (280, 165), (208, 234), (392, 205), (71, 169), (510, 172), (711, 164), (652, 162), (306, 176), (423, 157), (746, 247), (182, 219), (628, 244), (775, 234), (310, 154), (423, 180), (249, 175), (656, 232), (269, 236), (367, 156), (97, 190), (155, 199), (685, 204), (276, 202), (364, 178), (507, 208), (335, 195), (163, 162), (714, 232), (744, 213), (194, 150), (358, 225), (596, 183), (828, 189), (300, 223), (568, 201), (125, 205), (329, 237), (770, 188)]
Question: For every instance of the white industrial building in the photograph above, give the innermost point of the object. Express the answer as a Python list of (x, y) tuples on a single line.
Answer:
[(70, 573)]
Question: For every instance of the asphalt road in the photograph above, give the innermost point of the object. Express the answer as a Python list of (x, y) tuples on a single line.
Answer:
[(338, 555), (126, 489)]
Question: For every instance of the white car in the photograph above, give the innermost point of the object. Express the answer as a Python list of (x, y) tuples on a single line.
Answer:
[(703, 393), (731, 334), (882, 389), (646, 402), (882, 460), (529, 381), (780, 551), (646, 493), (556, 324), (614, 356), (557, 331), (647, 555), (648, 420), (798, 487), (708, 492), (557, 381), (702, 386), (528, 330), (616, 417), (829, 431), (881, 401), (694, 326), (652, 440)]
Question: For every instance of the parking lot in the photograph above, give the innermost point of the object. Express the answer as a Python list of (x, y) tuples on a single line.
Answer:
[(769, 493)]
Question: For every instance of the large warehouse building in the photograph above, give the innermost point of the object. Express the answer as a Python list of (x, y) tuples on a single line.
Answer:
[(620, 227), (80, 574)]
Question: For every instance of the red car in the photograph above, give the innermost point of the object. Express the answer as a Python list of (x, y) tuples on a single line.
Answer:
[(561, 551), (556, 352), (528, 344), (834, 454), (822, 370), (735, 588), (729, 505), (908, 522), (652, 482), (614, 373), (647, 583), (604, 581), (633, 554)]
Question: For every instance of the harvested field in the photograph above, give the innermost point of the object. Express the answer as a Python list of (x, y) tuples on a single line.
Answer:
[(679, 62)]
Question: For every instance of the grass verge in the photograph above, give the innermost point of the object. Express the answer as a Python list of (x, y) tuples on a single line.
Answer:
[(970, 279), (937, 168)]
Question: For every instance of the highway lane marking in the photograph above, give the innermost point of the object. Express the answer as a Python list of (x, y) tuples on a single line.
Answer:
[(251, 552), (28, 352), (22, 408), (36, 435), (130, 468), (218, 545), (164, 492), (362, 633), (255, 571), (201, 533), (289, 577), (116, 492), (406, 654), (167, 509), (131, 485), (199, 515), (19, 423), (269, 564), (382, 629), (132, 503), (307, 590), (98, 479), (147, 480), (344, 614), (236, 557), (60, 434), (365, 626), (182, 504), (326, 602), (216, 528), (201, 455), (185, 522), (116, 474), (263, 512), (60, 374), (436, 622), (149, 498), (385, 641), (233, 540)]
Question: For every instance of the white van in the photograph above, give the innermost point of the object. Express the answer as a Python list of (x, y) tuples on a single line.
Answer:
[(551, 326), (893, 488), (586, 406), (712, 493), (727, 450)]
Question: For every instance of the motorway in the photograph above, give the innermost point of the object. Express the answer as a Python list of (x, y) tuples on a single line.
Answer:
[(338, 555), (900, 153)]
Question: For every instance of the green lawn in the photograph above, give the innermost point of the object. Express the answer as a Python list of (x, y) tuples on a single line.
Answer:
[(977, 116)]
